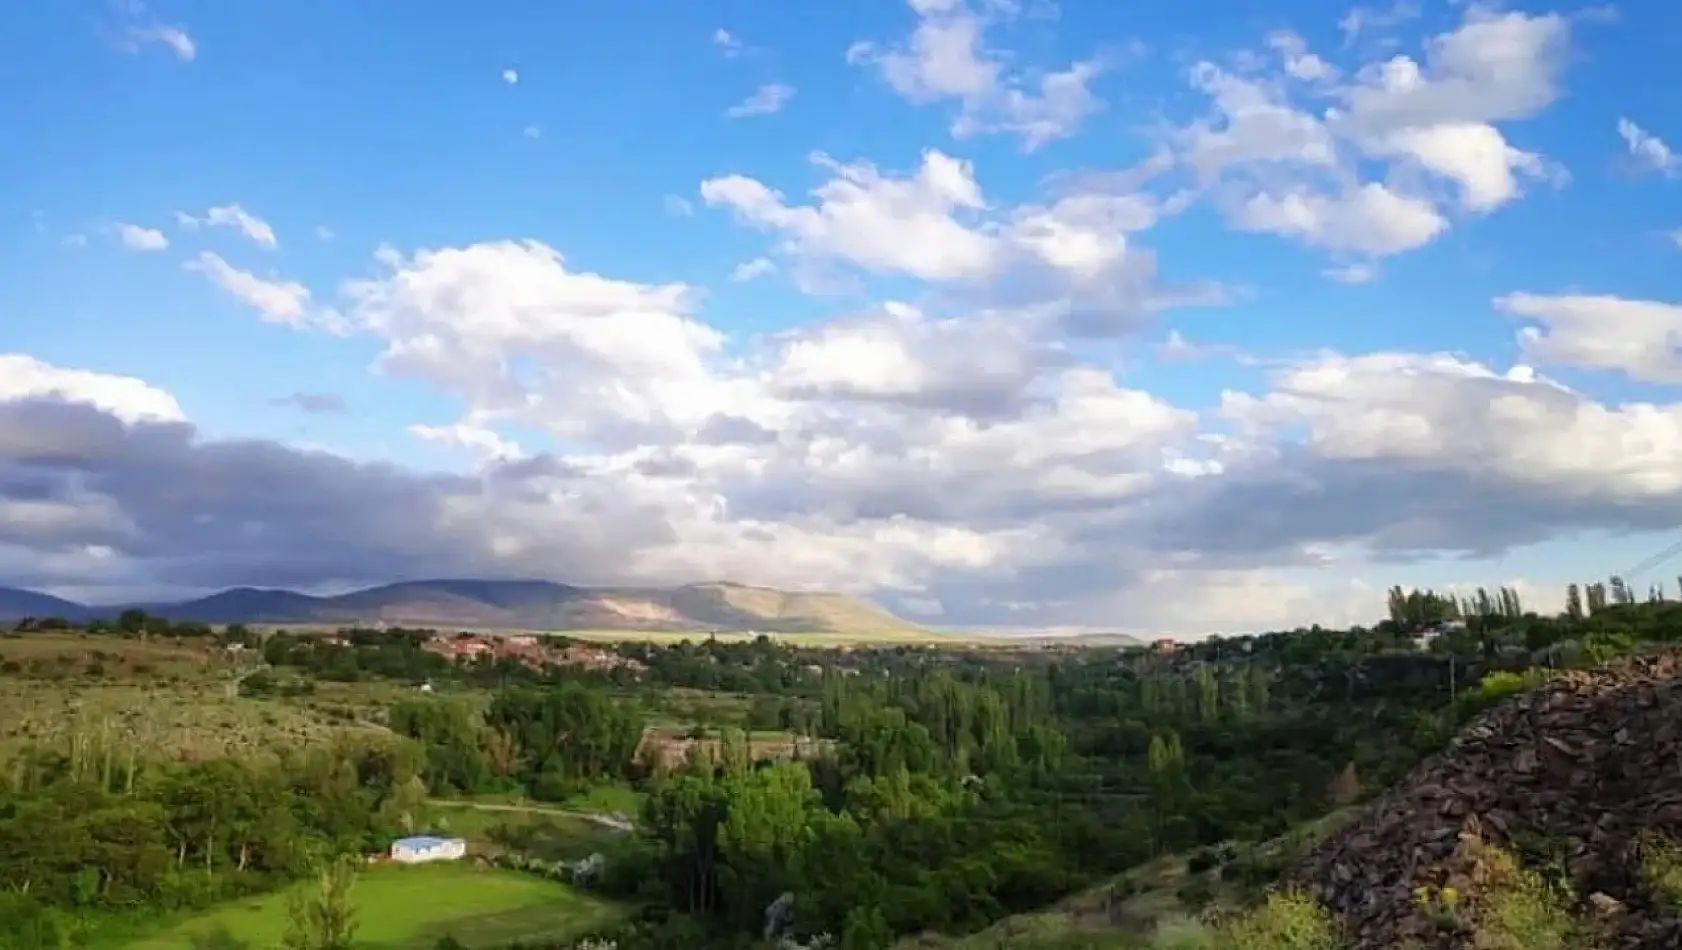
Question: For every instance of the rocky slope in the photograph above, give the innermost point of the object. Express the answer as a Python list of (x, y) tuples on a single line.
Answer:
[(1576, 770), (525, 605)]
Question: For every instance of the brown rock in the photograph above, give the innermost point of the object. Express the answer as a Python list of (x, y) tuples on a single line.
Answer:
[(1585, 763)]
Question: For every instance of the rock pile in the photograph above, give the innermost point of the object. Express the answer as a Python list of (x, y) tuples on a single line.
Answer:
[(1579, 769)]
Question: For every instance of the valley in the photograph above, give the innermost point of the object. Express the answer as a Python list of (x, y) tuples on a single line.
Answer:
[(699, 792)]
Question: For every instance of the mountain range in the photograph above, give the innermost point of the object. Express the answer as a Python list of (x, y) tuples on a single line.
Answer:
[(511, 605)]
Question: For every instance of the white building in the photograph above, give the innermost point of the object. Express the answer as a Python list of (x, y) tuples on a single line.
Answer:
[(423, 848)]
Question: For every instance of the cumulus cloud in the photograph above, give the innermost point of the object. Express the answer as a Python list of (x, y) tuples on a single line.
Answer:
[(1071, 260), (947, 59), (1274, 159), (1640, 338), (137, 238), (970, 461)]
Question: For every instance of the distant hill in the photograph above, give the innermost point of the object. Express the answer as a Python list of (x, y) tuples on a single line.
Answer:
[(524, 605), (1053, 637), (15, 603)]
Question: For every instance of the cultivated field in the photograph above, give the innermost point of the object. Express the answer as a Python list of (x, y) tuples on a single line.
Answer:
[(674, 745), (399, 908)]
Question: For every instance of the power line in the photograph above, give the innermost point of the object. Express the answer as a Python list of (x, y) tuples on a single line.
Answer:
[(1652, 561)]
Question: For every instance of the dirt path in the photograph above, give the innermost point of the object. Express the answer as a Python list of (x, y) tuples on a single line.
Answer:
[(606, 821)]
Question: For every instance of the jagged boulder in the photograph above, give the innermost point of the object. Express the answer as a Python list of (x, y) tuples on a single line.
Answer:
[(1581, 767)]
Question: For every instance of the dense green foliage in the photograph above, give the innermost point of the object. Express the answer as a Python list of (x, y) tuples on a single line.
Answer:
[(89, 834)]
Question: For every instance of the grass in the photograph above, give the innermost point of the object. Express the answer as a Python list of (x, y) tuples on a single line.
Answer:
[(607, 799), (55, 655), (530, 829), (163, 697), (411, 907)]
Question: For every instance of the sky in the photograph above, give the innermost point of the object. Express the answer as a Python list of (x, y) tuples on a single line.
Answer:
[(999, 312)]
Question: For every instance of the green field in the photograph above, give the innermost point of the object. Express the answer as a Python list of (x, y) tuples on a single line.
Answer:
[(411, 907), (548, 833)]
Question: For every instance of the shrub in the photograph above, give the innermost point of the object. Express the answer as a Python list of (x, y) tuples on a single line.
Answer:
[(1522, 910), (1286, 922)]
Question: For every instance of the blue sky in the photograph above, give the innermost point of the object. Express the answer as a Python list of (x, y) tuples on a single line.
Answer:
[(1251, 207)]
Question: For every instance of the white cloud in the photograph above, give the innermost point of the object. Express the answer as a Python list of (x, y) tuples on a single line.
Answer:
[(1277, 161), (175, 38), (871, 220), (285, 302), (125, 397), (967, 460), (511, 76), (946, 58), (137, 238), (1072, 261), (768, 99), (323, 232), (232, 216), (1649, 152), (1360, 20), (532, 132), (750, 270), (726, 43), (1370, 219), (1640, 338), (139, 28), (484, 442), (1298, 62), (1353, 273)]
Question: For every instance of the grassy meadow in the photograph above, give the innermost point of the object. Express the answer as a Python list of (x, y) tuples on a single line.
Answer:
[(547, 833), (411, 907)]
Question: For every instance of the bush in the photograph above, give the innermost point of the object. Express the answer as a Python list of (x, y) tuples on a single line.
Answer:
[(1286, 922), (1523, 910)]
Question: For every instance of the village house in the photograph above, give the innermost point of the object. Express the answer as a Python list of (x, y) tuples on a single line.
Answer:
[(422, 849), (528, 649)]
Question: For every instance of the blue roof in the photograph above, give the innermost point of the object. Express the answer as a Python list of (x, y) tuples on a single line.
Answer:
[(421, 842)]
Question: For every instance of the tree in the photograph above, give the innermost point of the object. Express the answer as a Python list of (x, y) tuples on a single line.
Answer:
[(326, 919), (1346, 788)]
